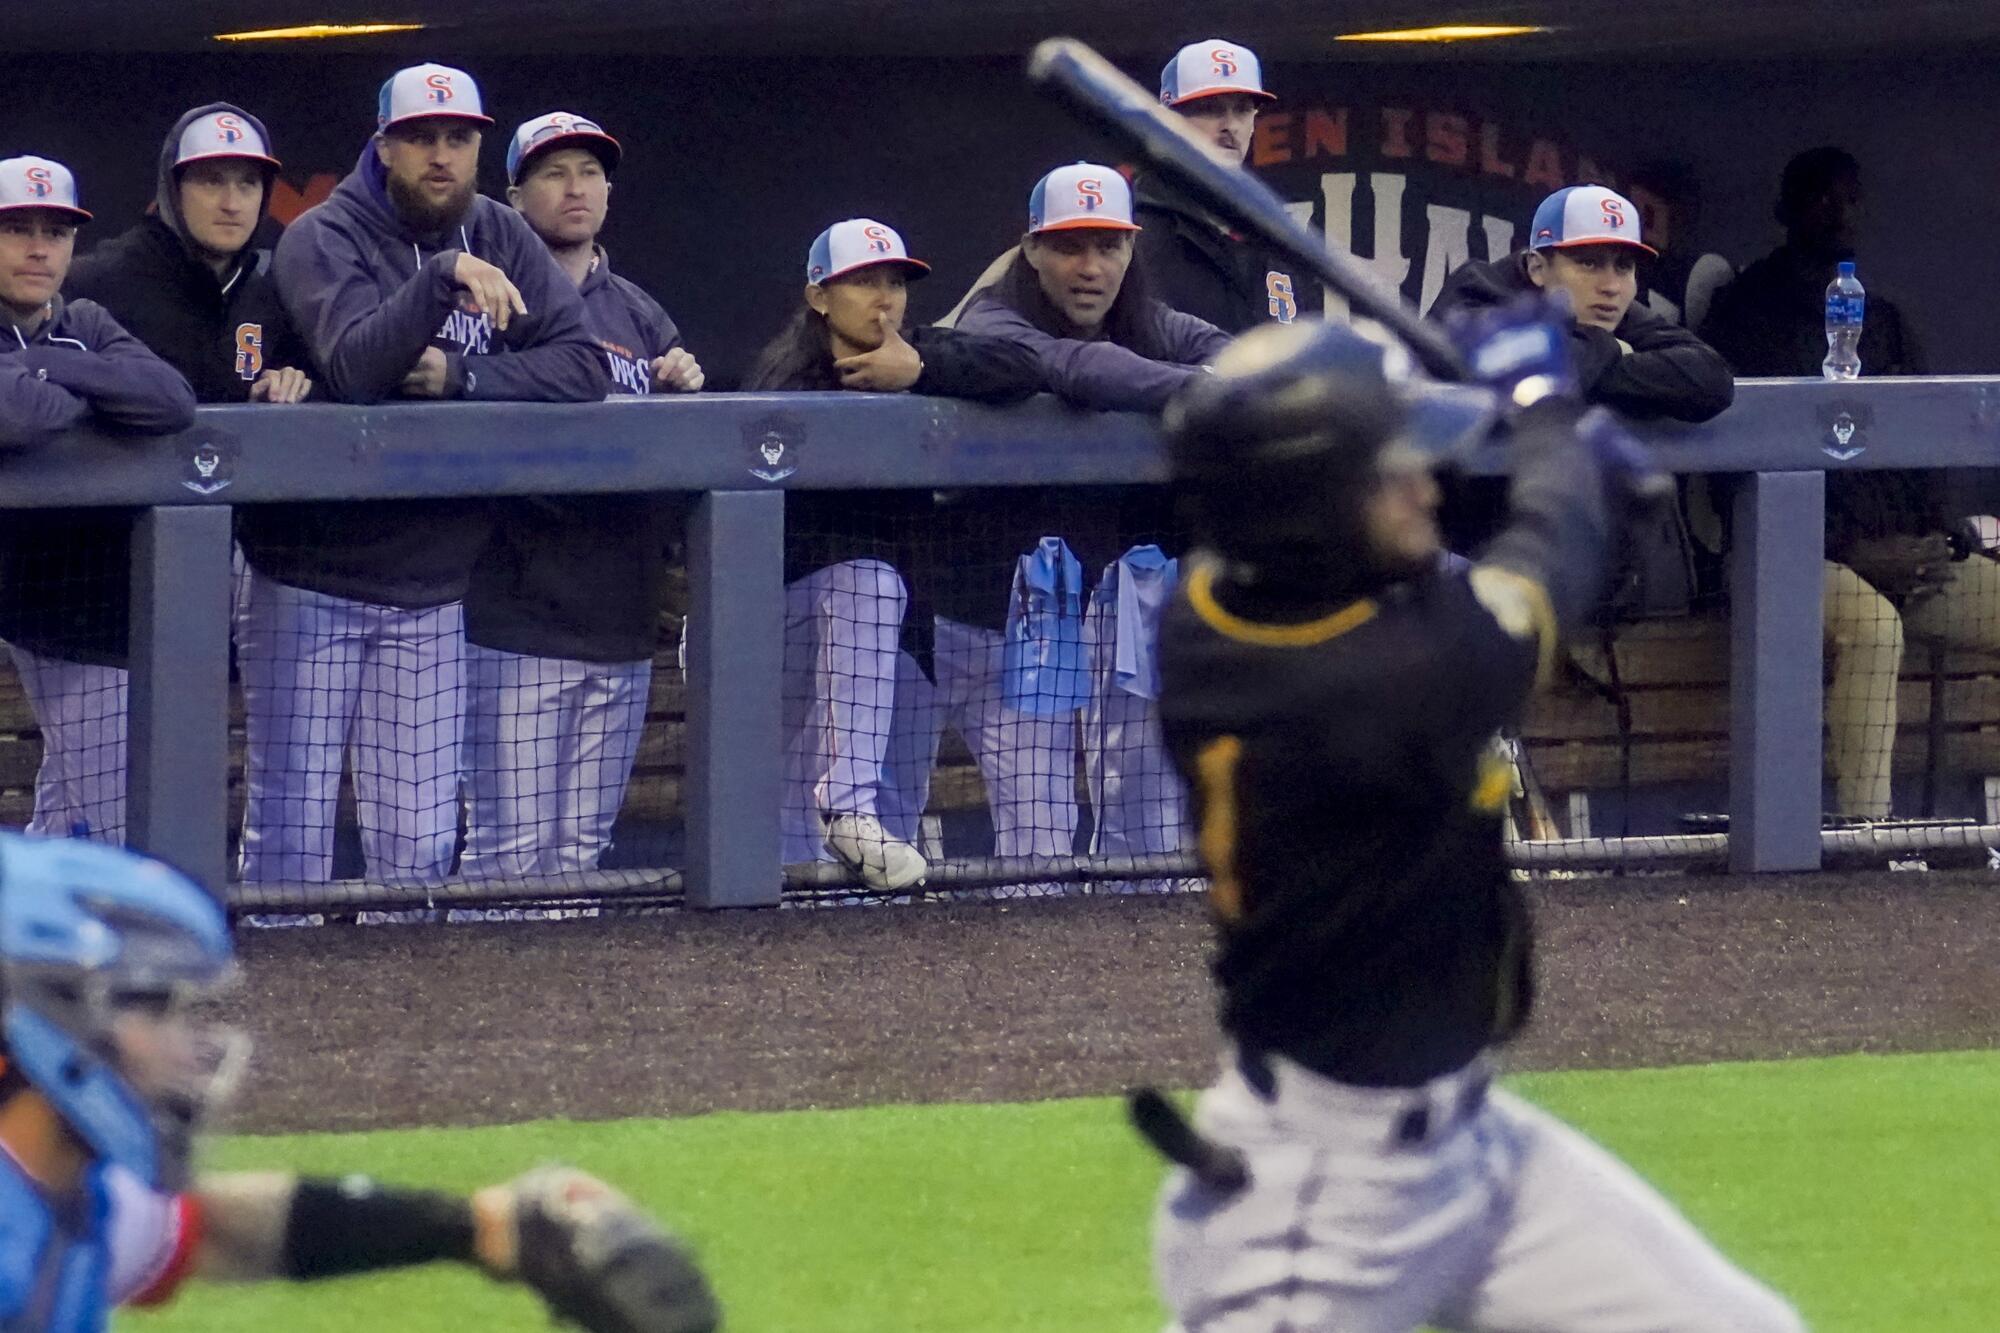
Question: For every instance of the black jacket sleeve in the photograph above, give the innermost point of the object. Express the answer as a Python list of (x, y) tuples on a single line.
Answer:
[(1559, 525), (1668, 373), (971, 365)]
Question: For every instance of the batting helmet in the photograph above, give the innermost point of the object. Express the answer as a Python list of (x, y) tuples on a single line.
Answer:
[(1276, 450)]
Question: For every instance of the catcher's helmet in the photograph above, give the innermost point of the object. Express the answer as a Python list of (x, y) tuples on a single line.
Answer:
[(1276, 450), (99, 948)]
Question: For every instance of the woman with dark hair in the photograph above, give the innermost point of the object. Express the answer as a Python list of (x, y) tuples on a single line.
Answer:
[(861, 731), (1073, 296)]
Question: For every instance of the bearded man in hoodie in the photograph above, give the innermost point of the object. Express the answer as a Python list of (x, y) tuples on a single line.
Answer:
[(405, 283)]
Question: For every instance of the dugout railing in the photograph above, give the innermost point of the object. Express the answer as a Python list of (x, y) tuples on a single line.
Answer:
[(738, 453)]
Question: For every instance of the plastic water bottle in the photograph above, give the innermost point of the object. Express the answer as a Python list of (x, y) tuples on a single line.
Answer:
[(1846, 303)]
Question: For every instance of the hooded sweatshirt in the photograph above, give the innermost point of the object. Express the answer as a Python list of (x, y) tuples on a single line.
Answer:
[(221, 332), (1198, 265), (583, 577), (369, 294), (64, 572), (1668, 373)]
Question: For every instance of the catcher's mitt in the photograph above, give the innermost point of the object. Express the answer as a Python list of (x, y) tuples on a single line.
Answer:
[(602, 1264)]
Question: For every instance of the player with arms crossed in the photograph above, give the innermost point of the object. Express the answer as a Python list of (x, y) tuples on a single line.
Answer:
[(105, 1075), (1331, 697)]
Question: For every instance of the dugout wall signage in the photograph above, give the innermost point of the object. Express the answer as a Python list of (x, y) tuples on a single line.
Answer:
[(1414, 192)]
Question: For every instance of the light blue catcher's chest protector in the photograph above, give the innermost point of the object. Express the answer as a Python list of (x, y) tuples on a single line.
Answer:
[(55, 1262)]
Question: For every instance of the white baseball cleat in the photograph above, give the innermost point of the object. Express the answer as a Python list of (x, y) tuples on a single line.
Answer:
[(882, 861)]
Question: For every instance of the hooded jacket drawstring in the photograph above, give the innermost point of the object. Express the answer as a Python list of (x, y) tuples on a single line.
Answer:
[(464, 243)]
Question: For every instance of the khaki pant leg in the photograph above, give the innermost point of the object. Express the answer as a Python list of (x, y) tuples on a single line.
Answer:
[(1864, 639), (1966, 612)]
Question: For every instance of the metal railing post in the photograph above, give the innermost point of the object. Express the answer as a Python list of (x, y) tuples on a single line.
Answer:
[(1777, 550), (735, 655), (177, 793)]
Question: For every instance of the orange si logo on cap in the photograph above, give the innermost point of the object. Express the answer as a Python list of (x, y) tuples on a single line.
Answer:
[(1225, 62), (440, 88), (1614, 212), (1090, 195)]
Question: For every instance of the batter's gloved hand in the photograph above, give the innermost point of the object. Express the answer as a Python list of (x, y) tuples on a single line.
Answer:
[(1521, 348), (597, 1260)]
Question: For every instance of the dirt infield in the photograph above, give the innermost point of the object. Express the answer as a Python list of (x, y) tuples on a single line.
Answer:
[(371, 1027)]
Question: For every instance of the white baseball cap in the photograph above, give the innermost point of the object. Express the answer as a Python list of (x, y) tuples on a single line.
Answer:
[(223, 134), (1586, 215), (37, 182), (1209, 69), (856, 244), (1082, 195), (560, 129), (424, 91)]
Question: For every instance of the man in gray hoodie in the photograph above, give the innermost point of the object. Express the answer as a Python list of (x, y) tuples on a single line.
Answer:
[(405, 283)]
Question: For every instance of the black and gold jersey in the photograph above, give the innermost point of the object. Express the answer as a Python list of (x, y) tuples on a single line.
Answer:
[(1349, 798)]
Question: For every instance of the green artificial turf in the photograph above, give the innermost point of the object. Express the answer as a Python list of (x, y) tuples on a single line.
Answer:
[(1866, 1188)]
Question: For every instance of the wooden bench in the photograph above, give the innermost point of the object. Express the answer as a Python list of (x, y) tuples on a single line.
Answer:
[(1675, 674)]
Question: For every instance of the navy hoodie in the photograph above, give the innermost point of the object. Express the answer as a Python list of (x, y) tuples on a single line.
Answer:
[(63, 572), (583, 577), (369, 295)]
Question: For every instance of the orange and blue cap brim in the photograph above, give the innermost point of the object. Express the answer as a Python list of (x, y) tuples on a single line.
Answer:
[(1200, 93), (1580, 242), (478, 117), (917, 267), (79, 214), (1081, 224)]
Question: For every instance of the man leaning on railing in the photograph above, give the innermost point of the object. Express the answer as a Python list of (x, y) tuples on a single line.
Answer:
[(62, 571)]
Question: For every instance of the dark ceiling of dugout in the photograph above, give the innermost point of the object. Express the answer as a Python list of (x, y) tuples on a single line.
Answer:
[(1290, 30)]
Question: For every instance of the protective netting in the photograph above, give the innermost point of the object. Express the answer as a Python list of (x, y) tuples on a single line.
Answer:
[(64, 614), (969, 691), (968, 702)]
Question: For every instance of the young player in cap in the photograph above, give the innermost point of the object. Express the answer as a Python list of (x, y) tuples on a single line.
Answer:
[(106, 1075), (407, 283), (63, 572), (1331, 695), (1196, 262), (1585, 241), (563, 612), (1075, 296), (860, 724)]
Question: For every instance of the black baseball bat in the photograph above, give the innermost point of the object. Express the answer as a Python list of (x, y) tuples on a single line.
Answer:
[(1100, 93)]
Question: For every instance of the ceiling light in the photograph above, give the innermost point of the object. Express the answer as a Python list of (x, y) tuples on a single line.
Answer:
[(310, 30), (1447, 32)]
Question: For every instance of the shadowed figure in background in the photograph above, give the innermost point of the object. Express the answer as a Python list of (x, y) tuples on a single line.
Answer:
[(1900, 556)]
